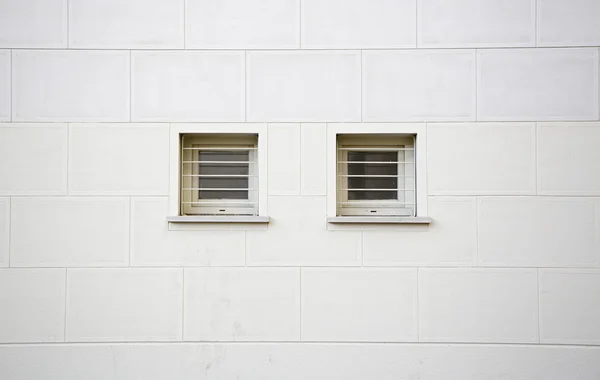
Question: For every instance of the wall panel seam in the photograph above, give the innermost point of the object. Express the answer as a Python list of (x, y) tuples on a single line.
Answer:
[(182, 304), (300, 24), (477, 263), (9, 228), (65, 305), (68, 24), (129, 239), (361, 86), (535, 20), (536, 135), (417, 24), (539, 324), (300, 302), (245, 85), (476, 84), (418, 310), (68, 163), (11, 96)]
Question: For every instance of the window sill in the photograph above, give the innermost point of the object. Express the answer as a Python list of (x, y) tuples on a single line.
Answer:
[(380, 220), (218, 219)]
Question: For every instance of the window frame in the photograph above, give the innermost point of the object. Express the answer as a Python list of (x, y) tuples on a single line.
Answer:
[(363, 142), (177, 130), (379, 131), (217, 142)]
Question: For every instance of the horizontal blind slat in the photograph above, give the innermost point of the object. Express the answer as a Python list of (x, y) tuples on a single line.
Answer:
[(375, 176), (216, 148), (220, 175), (372, 149), (370, 189), (218, 162), (220, 188)]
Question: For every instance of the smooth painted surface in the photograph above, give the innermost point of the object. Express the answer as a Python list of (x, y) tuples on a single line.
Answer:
[(187, 86), (70, 85), (539, 232), (568, 23), (121, 305), (371, 305), (118, 24), (119, 159), (537, 84), (569, 158), (500, 283), (152, 244), (5, 85), (569, 306), (298, 236), (478, 305), (424, 85), (476, 23), (33, 23), (357, 24), (256, 361), (450, 239), (33, 159), (69, 232), (4, 230), (242, 24), (284, 159), (483, 158), (33, 305), (231, 304), (303, 86)]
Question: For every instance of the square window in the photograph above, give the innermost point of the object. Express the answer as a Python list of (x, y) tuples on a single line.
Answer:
[(376, 175), (219, 174)]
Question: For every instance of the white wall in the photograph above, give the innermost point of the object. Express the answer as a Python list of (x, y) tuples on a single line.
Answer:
[(504, 284)]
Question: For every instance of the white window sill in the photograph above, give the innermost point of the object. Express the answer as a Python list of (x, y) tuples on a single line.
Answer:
[(218, 219), (380, 220)]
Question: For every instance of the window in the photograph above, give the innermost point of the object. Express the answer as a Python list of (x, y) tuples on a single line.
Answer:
[(219, 174), (376, 175)]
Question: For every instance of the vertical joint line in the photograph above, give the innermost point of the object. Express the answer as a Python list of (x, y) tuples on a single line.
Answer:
[(535, 22), (300, 160), (300, 302), (362, 248), (477, 231), (9, 227), (182, 304), (537, 270), (300, 23), (361, 86), (130, 83), (246, 85), (65, 306), (184, 25), (11, 99), (245, 248), (535, 157), (476, 84), (68, 26), (418, 311), (68, 163), (129, 233), (416, 24)]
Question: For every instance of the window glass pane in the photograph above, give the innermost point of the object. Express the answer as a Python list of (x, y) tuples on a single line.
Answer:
[(381, 175), (227, 170)]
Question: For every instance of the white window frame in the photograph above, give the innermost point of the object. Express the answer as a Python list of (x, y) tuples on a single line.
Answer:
[(366, 142), (418, 130), (222, 130), (194, 143)]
